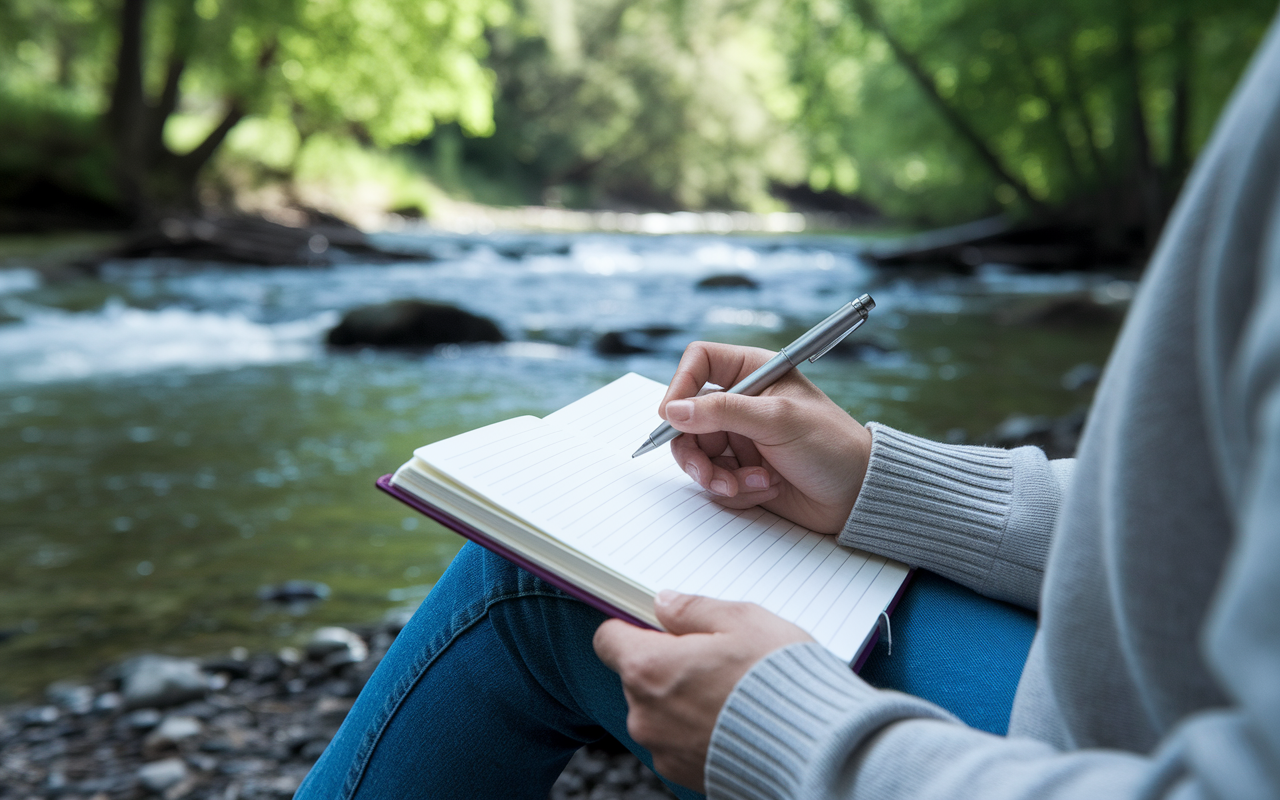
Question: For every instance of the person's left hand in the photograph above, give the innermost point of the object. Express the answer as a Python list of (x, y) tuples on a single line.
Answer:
[(677, 682)]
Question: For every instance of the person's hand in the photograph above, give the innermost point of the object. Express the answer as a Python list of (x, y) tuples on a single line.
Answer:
[(677, 682), (790, 449)]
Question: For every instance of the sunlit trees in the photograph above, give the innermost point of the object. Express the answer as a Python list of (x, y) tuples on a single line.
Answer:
[(649, 102), (383, 71), (948, 109)]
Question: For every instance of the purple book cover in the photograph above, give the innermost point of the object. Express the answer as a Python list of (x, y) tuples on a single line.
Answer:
[(482, 539)]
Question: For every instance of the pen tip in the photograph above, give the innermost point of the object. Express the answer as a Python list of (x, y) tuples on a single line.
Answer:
[(644, 448)]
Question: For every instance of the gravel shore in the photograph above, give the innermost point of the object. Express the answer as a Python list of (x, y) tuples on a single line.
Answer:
[(240, 727)]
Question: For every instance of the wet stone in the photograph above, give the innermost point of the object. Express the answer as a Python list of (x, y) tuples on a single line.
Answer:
[(161, 775), (246, 739), (76, 698), (161, 681), (173, 730), (144, 719)]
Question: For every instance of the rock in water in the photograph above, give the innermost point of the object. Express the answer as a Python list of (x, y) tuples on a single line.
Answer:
[(411, 324), (293, 591), (159, 681), (727, 282)]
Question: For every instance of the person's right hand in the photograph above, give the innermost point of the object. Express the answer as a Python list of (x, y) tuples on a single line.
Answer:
[(790, 449)]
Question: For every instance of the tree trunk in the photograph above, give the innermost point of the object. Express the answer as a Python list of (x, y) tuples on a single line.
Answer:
[(958, 123), (128, 107), (1145, 174)]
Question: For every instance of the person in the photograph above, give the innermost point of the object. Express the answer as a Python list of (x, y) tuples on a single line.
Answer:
[(1153, 560)]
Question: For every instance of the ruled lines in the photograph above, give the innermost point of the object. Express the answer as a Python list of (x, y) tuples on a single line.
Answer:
[(645, 519)]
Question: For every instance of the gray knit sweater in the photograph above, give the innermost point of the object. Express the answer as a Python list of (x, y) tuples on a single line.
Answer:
[(1154, 562)]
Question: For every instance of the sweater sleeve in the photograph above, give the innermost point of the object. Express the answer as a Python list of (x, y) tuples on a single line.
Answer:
[(800, 724), (982, 516)]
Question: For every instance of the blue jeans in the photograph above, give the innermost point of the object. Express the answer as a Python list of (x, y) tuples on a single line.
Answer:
[(493, 685)]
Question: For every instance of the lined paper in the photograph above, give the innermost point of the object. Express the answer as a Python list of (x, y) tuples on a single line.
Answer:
[(572, 477)]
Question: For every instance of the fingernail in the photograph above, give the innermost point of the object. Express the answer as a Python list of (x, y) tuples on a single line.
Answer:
[(666, 597), (719, 487), (680, 411), (692, 471), (757, 481)]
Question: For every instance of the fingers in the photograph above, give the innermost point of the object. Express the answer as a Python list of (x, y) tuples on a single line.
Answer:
[(615, 640), (768, 419), (689, 613), (683, 614), (708, 362), (722, 477)]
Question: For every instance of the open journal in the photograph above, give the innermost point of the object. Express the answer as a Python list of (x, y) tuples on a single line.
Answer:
[(562, 496)]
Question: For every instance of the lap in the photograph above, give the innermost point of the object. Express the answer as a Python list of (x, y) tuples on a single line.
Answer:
[(494, 683), (956, 648)]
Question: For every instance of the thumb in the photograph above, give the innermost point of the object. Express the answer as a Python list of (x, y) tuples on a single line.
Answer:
[(764, 419), (691, 613)]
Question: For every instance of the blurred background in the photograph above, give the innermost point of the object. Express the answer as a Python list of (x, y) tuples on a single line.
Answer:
[(193, 195)]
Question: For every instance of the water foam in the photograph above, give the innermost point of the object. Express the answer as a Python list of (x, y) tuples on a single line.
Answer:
[(51, 345)]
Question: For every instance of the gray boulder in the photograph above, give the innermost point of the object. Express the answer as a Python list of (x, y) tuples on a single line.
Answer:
[(160, 775), (728, 282), (158, 681), (411, 324), (337, 646)]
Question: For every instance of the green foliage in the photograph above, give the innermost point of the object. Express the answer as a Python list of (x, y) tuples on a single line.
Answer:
[(381, 71), (1078, 100), (652, 103), (934, 111)]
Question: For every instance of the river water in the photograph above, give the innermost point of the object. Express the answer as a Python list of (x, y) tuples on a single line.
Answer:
[(174, 436)]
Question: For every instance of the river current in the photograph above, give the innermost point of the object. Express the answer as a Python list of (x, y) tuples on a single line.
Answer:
[(174, 436)]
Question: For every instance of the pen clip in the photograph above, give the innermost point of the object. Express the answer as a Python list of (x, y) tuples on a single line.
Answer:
[(836, 341)]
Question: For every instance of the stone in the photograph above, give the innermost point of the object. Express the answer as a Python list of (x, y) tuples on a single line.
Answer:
[(411, 324), (41, 715), (161, 775), (337, 646), (727, 282), (108, 702), (1019, 428), (144, 719), (1081, 376), (74, 697), (172, 730), (654, 339), (161, 681), (293, 591)]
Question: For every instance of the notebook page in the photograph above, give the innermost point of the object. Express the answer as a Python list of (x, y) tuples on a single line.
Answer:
[(619, 416), (653, 524)]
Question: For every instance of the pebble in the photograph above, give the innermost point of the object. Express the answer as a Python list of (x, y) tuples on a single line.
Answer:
[(253, 738), (173, 730), (76, 698), (160, 775), (161, 681), (337, 646), (144, 719)]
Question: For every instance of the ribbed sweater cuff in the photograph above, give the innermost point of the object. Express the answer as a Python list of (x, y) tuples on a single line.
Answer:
[(948, 508), (792, 721)]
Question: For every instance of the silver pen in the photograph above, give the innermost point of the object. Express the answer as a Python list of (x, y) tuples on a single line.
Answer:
[(812, 345)]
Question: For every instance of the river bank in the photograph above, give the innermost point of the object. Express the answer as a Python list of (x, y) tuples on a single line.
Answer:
[(239, 726), (176, 434)]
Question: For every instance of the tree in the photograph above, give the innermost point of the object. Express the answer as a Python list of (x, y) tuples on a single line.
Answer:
[(1089, 110), (382, 70), (651, 103)]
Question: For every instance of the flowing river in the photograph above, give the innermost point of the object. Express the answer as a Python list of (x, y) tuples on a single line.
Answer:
[(174, 436)]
